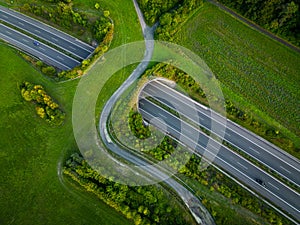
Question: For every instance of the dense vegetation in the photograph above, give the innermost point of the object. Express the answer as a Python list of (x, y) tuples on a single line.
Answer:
[(170, 14), (64, 15), (46, 108), (281, 17), (170, 22), (153, 9), (142, 204)]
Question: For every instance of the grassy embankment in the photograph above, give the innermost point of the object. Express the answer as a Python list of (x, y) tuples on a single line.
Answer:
[(257, 73), (31, 191)]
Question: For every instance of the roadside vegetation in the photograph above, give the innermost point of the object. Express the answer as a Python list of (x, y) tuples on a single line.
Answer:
[(281, 17), (141, 204)]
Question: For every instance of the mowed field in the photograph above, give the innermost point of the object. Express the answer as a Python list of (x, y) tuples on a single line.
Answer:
[(256, 72)]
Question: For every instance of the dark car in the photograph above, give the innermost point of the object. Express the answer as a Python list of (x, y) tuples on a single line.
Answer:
[(261, 182), (36, 43)]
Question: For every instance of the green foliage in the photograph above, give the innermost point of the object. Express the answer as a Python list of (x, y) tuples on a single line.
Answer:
[(137, 126), (282, 17), (153, 9), (170, 22), (101, 27), (46, 108), (142, 204)]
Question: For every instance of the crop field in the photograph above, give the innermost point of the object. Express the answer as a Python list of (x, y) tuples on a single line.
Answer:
[(255, 72)]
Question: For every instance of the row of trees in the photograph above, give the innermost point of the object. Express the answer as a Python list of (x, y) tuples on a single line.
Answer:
[(46, 107), (142, 204), (65, 16), (170, 14), (279, 16)]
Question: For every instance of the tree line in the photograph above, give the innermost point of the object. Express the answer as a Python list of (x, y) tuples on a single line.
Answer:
[(169, 14), (141, 204), (64, 15), (45, 106), (281, 17)]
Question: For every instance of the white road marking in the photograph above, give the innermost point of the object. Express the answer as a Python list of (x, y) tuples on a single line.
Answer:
[(285, 169), (37, 31), (242, 165), (21, 23), (8, 32), (5, 16), (257, 152), (273, 185), (42, 49), (71, 47), (25, 40), (54, 39), (59, 57)]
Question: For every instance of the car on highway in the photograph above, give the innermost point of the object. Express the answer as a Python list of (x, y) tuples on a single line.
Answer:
[(260, 181), (36, 43)]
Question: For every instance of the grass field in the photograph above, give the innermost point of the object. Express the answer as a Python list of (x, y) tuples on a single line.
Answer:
[(31, 191), (255, 71)]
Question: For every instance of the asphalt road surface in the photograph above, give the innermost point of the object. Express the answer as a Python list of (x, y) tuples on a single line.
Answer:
[(273, 190), (58, 38), (43, 52), (263, 151)]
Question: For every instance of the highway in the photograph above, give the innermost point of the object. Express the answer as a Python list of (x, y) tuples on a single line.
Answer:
[(273, 190), (51, 35), (43, 52), (261, 150)]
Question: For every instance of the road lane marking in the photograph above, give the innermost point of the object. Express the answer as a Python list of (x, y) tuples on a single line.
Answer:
[(22, 24), (242, 165), (234, 124), (71, 47), (273, 186), (25, 40), (37, 31), (54, 39), (8, 32), (257, 152), (59, 57), (42, 49), (285, 169), (4, 16)]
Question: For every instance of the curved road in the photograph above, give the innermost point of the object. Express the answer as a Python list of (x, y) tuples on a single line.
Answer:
[(200, 214)]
